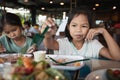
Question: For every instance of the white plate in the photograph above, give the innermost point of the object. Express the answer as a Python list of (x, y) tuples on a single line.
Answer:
[(14, 54), (98, 74), (68, 58), (13, 57)]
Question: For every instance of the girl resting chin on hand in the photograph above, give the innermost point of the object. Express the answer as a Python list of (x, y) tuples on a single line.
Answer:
[(80, 35)]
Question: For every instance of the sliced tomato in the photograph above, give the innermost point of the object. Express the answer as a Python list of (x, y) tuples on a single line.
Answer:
[(116, 73), (27, 62)]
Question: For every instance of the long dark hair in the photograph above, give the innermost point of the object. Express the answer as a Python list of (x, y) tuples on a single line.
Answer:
[(10, 19), (77, 11), (27, 23)]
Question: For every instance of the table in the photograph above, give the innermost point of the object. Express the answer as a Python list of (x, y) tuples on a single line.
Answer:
[(102, 64), (91, 65), (96, 64)]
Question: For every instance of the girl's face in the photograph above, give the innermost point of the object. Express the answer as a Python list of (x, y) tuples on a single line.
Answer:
[(13, 32), (79, 27)]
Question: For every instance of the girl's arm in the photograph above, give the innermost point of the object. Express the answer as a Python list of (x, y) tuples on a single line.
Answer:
[(32, 48), (2, 49), (51, 43), (113, 48), (49, 40), (113, 51)]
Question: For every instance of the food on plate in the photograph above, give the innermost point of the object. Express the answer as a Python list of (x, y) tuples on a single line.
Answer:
[(12, 57), (63, 60), (113, 74), (21, 70), (42, 76), (42, 65), (24, 66), (9, 58), (49, 74), (2, 60), (55, 74), (28, 69), (27, 62), (76, 64)]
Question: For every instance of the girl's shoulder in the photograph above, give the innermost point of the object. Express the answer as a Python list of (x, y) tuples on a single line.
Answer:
[(3, 37), (93, 42)]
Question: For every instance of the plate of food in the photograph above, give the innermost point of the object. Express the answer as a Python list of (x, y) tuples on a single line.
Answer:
[(104, 74), (65, 62), (11, 57)]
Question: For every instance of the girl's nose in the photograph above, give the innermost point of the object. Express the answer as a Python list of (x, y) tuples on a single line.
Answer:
[(79, 29), (12, 34)]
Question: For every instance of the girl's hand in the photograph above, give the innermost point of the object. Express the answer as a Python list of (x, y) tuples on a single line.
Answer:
[(52, 27), (2, 49), (32, 48), (93, 32)]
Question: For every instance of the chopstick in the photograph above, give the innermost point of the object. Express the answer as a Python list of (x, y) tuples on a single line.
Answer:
[(53, 60), (59, 63), (65, 63), (46, 29)]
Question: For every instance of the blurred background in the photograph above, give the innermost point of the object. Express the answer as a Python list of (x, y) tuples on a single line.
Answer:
[(36, 11)]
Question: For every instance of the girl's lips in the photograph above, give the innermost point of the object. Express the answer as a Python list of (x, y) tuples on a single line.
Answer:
[(15, 38), (79, 35)]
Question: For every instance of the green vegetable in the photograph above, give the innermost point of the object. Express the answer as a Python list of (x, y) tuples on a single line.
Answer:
[(53, 73), (19, 61), (38, 38)]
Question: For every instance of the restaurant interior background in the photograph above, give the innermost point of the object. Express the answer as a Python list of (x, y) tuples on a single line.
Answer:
[(37, 11), (31, 9)]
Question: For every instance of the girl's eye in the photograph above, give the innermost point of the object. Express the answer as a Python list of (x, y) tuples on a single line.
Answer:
[(7, 32), (10, 31), (86, 26), (73, 25)]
